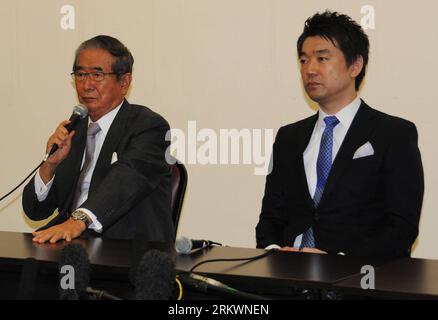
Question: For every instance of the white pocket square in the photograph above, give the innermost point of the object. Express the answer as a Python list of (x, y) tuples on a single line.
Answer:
[(364, 151), (114, 158)]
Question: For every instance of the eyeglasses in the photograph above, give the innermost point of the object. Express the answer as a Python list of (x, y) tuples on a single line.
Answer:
[(95, 76)]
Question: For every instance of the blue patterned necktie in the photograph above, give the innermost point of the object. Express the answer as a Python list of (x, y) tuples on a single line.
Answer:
[(323, 166)]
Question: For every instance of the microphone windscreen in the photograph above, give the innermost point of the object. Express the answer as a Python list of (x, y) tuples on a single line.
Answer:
[(183, 245), (80, 110), (155, 276), (77, 268)]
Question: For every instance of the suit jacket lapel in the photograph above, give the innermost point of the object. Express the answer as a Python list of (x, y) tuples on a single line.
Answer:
[(307, 134), (357, 134), (110, 144)]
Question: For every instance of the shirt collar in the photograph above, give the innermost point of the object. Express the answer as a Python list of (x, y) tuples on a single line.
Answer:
[(345, 115), (106, 121)]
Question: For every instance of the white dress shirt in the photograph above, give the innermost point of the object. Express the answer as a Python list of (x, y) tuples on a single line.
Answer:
[(42, 189), (310, 155)]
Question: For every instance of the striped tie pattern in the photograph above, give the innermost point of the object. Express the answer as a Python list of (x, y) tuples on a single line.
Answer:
[(323, 167)]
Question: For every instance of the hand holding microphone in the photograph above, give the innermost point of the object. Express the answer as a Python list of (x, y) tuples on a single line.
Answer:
[(62, 136), (47, 169), (59, 143)]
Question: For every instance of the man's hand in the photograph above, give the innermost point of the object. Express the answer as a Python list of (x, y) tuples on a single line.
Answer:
[(307, 250), (68, 231), (62, 138)]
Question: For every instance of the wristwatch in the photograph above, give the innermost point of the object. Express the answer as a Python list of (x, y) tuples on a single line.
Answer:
[(81, 215)]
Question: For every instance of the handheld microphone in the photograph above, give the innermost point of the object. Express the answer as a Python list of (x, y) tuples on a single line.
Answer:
[(184, 245), (155, 276), (79, 112), (208, 285)]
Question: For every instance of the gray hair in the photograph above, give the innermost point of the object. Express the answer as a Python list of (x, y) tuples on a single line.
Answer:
[(123, 58)]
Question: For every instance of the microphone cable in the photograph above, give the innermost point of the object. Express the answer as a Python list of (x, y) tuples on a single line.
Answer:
[(180, 287), (25, 179), (269, 252)]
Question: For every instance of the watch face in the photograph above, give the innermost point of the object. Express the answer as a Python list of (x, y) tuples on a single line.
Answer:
[(79, 215)]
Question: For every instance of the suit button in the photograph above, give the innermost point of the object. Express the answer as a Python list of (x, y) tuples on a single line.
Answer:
[(316, 216)]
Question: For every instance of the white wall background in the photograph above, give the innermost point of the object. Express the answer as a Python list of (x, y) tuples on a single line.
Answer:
[(223, 63)]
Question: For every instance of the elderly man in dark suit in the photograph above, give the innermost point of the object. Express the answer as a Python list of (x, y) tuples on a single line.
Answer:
[(109, 176), (348, 180)]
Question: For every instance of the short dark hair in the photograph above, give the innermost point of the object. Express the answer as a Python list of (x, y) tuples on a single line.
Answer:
[(123, 58), (343, 32)]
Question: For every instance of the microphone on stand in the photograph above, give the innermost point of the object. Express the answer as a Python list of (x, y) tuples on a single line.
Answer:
[(28, 280), (154, 276), (75, 265)]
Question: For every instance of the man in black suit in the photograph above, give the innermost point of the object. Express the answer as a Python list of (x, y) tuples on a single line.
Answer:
[(348, 180), (109, 176)]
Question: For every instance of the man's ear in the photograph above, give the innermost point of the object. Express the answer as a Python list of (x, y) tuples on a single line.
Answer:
[(356, 66), (125, 81)]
